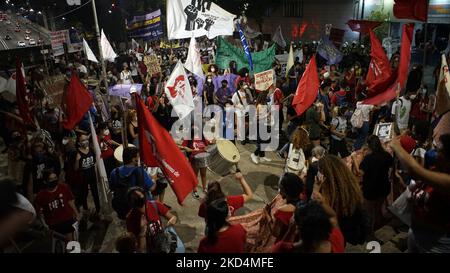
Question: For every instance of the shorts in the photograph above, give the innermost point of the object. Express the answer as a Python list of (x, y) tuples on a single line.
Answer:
[(64, 227)]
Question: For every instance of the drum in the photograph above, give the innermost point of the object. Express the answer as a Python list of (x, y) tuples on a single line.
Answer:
[(223, 156), (119, 151), (201, 160)]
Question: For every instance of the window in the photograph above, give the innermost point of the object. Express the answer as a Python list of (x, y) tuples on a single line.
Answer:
[(293, 8)]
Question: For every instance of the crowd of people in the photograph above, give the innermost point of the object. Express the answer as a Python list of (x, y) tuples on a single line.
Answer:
[(338, 178)]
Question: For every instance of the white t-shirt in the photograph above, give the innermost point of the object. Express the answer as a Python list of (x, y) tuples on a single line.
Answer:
[(365, 110), (402, 117), (241, 108), (82, 69), (125, 76), (341, 126), (419, 152)]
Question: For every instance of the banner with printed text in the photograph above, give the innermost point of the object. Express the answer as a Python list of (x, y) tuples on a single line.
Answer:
[(264, 80)]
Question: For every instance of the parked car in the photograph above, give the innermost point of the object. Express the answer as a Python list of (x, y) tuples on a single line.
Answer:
[(21, 44), (17, 29), (27, 31), (7, 37), (27, 37), (8, 22), (40, 41), (32, 42)]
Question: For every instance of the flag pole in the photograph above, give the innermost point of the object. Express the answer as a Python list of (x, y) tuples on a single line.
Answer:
[(102, 61)]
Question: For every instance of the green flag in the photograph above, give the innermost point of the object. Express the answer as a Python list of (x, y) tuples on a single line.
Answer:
[(226, 53)]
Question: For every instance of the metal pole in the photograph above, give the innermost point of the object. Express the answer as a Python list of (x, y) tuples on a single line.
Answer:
[(425, 46), (102, 61)]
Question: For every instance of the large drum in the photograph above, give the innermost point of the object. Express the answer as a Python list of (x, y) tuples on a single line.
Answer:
[(223, 156), (118, 152), (201, 160)]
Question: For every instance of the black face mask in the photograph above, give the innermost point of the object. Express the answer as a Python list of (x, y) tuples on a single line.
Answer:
[(52, 184)]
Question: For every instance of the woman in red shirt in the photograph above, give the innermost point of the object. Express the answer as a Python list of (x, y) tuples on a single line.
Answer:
[(56, 204), (196, 146), (107, 146), (291, 188), (221, 237), (319, 231), (143, 215), (234, 202)]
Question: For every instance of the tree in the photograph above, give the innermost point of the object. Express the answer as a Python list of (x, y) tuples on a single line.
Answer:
[(381, 16)]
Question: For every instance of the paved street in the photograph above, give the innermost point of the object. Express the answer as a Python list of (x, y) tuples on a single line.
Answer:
[(36, 32)]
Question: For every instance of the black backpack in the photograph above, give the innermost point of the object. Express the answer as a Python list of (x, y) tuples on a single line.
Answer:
[(120, 189)]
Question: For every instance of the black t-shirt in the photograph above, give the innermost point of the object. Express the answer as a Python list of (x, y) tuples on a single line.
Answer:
[(36, 167), (297, 120), (376, 182), (87, 165)]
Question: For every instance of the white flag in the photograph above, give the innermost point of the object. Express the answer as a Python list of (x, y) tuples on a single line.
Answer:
[(179, 91), (278, 37), (299, 55), (290, 62), (102, 177), (134, 45), (445, 75), (107, 50), (193, 62), (190, 18), (89, 54)]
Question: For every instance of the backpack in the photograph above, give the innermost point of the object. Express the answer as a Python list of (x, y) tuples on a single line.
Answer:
[(295, 162), (158, 239), (119, 201), (357, 118)]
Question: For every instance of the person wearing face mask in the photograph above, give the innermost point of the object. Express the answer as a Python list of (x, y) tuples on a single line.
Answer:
[(213, 70), (241, 100), (85, 161), (132, 131), (144, 215), (208, 91), (401, 109), (33, 172), (131, 174), (107, 146), (223, 94), (56, 206), (125, 75)]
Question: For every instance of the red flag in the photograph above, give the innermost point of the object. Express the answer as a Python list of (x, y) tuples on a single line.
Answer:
[(157, 148), (21, 94), (363, 26), (405, 58), (411, 9), (78, 101), (379, 69), (307, 88)]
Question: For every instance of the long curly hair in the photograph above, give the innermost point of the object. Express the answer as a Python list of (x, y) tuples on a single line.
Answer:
[(300, 138), (340, 187)]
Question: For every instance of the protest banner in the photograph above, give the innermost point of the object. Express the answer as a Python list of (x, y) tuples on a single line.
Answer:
[(264, 80)]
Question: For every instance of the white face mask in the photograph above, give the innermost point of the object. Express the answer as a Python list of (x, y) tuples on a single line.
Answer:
[(209, 80), (213, 70), (106, 132), (65, 141), (412, 97)]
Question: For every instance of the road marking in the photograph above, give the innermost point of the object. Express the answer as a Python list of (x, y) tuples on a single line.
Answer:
[(4, 44)]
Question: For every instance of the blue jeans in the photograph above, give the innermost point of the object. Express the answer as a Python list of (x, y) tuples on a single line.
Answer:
[(363, 132)]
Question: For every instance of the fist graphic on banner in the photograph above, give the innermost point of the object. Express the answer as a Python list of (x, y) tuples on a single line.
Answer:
[(209, 23), (73, 2), (192, 13)]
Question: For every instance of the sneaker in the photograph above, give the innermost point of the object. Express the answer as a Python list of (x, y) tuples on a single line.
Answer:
[(195, 195), (266, 159), (255, 159)]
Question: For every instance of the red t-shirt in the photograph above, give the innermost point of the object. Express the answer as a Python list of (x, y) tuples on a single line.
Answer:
[(336, 239), (133, 220), (55, 205), (341, 93), (197, 144), (284, 216), (106, 149), (234, 203), (231, 240)]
